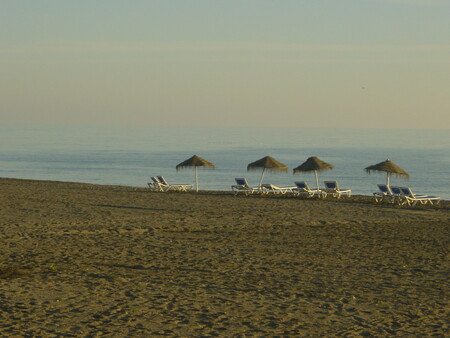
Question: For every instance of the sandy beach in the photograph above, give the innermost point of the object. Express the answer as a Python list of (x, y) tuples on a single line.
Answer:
[(89, 260)]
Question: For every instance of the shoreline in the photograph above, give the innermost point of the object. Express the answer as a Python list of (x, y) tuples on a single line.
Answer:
[(86, 259)]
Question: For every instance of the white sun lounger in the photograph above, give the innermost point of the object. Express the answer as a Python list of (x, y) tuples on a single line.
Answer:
[(412, 199), (242, 186), (332, 188), (302, 188), (166, 186), (397, 195), (156, 184), (384, 193), (274, 189)]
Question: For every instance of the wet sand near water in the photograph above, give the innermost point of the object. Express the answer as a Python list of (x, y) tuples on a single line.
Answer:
[(90, 260)]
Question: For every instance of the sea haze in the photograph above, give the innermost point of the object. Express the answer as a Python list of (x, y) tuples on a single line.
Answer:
[(130, 155)]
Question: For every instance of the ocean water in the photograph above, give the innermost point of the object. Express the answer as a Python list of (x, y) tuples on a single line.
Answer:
[(130, 155)]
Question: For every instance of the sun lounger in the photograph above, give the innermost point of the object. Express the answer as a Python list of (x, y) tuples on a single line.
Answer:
[(156, 184), (303, 189), (332, 188), (242, 186), (397, 195), (384, 193), (273, 189), (166, 186), (412, 199)]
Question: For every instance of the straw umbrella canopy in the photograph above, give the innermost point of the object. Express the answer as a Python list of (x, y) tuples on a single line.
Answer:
[(196, 162), (267, 163), (313, 164), (390, 168)]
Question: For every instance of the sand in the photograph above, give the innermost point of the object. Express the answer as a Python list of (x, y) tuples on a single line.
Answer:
[(89, 260)]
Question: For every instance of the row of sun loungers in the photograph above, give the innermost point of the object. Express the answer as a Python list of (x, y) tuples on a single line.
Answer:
[(402, 196), (389, 194), (393, 194), (301, 188)]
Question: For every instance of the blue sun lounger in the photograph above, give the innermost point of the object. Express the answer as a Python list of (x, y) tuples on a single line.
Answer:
[(302, 188), (332, 188), (242, 186), (159, 183), (412, 199), (384, 193)]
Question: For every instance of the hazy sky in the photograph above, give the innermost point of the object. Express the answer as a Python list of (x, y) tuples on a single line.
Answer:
[(289, 63)]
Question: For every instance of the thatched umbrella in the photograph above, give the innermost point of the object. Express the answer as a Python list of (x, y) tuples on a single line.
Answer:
[(390, 168), (195, 161), (267, 163), (313, 164)]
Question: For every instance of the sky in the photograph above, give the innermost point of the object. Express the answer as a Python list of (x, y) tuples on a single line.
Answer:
[(268, 63)]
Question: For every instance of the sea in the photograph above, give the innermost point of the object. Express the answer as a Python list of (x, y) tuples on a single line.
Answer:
[(129, 156)]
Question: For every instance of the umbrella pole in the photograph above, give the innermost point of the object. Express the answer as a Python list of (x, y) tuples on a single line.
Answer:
[(196, 179), (262, 175), (388, 176), (317, 179)]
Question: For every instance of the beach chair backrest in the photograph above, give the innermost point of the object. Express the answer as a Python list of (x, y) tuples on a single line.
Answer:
[(396, 190), (407, 191), (302, 185), (241, 181), (384, 188), (155, 179), (331, 185), (162, 180)]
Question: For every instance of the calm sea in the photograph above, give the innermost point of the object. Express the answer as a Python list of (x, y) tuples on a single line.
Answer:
[(129, 156)]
